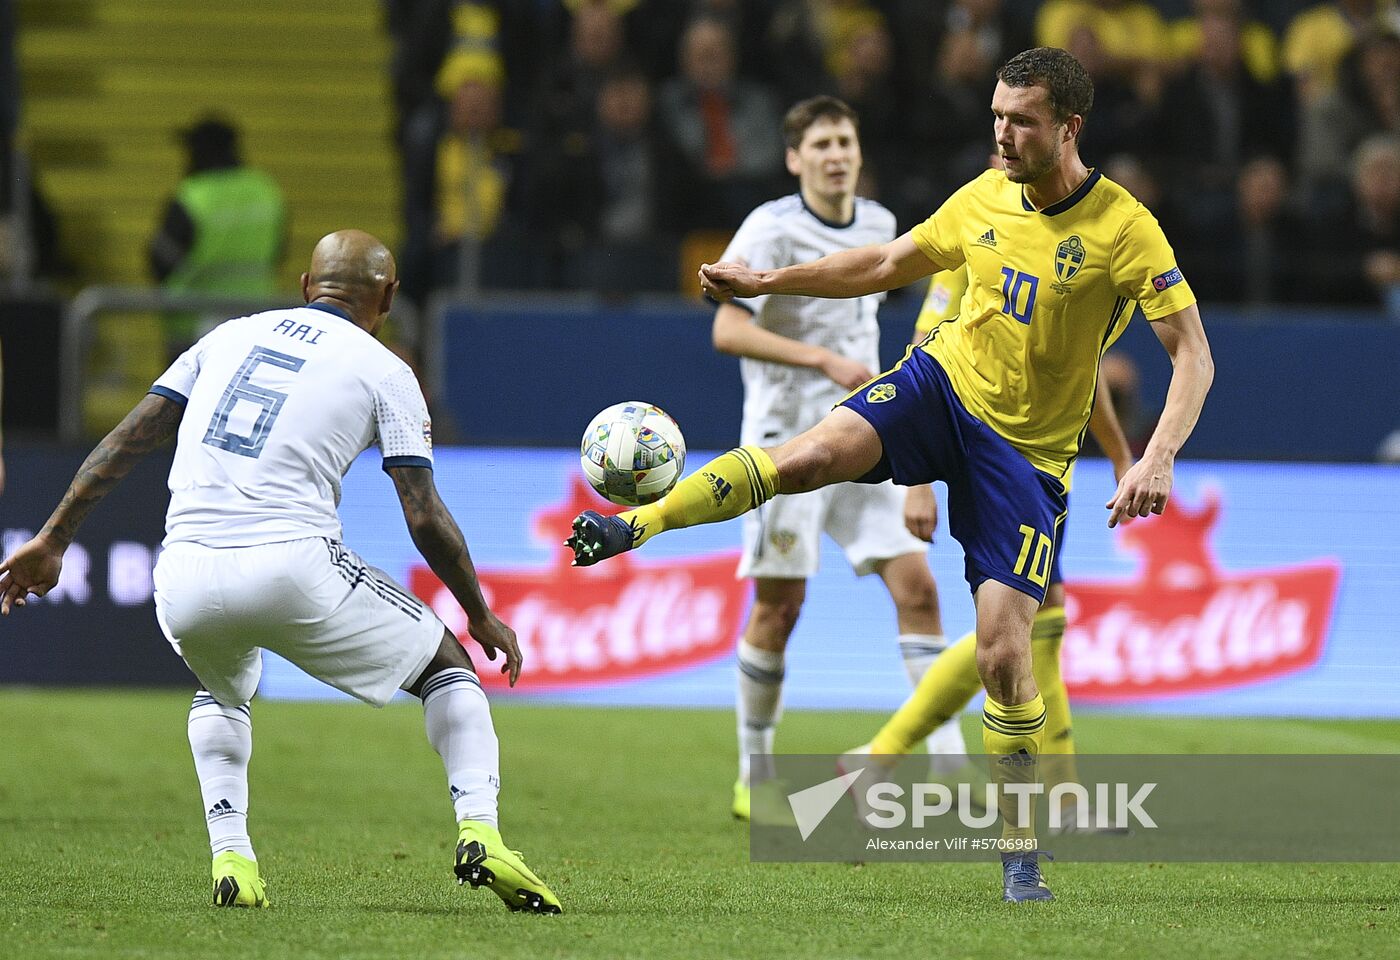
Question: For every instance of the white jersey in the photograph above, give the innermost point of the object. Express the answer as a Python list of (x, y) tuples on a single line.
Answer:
[(780, 401), (277, 407)]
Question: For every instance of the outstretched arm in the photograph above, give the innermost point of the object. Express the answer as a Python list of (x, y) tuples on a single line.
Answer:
[(35, 566), (440, 541), (1147, 485), (847, 273)]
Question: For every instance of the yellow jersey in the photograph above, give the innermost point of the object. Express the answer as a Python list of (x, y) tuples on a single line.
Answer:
[(1048, 292)]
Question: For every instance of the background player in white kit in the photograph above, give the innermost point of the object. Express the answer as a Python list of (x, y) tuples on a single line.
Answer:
[(271, 410), (801, 356)]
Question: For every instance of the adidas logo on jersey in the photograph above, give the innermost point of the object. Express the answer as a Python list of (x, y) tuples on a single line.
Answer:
[(221, 809), (989, 238)]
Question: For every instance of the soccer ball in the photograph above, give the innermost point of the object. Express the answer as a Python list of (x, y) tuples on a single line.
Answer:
[(633, 453)]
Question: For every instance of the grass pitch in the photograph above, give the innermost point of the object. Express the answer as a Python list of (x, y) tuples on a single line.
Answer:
[(103, 851)]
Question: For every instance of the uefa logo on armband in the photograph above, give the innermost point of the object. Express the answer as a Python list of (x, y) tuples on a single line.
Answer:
[(1169, 279)]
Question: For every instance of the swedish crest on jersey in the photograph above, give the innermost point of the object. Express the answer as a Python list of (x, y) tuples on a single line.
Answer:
[(880, 393), (1069, 258)]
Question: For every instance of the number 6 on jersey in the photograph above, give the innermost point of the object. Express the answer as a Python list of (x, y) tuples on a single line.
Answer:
[(242, 388)]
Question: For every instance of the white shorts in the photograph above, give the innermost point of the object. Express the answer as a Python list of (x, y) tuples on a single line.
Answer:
[(311, 601), (783, 538)]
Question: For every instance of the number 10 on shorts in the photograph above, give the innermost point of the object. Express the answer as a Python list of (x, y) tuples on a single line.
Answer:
[(1033, 564)]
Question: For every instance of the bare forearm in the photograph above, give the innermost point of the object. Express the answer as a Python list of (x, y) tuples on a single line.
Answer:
[(743, 338), (1108, 430), (847, 273), (440, 541), (150, 424), (1193, 370)]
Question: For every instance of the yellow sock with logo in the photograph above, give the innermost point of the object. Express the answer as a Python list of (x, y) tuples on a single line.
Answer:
[(724, 488), (944, 689), (1057, 764), (1011, 735)]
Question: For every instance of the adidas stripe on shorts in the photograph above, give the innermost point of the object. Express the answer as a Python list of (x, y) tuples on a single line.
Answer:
[(312, 601)]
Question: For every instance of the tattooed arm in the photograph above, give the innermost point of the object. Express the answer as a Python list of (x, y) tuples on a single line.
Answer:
[(440, 541), (35, 566)]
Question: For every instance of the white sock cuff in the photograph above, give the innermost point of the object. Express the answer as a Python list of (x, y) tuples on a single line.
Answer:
[(765, 666), (204, 706), (914, 645), (453, 678)]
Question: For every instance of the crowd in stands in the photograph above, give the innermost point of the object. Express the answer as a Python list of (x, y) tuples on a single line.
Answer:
[(591, 144)]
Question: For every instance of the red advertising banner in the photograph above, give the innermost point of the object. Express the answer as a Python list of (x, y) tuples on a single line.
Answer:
[(1185, 626), (621, 620)]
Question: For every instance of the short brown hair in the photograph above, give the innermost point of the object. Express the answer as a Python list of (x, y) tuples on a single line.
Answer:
[(1071, 90), (809, 111)]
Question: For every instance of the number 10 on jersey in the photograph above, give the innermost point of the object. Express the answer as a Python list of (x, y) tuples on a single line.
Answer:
[(1018, 293)]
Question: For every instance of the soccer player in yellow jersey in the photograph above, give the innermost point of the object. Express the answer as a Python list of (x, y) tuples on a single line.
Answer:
[(951, 680), (994, 403)]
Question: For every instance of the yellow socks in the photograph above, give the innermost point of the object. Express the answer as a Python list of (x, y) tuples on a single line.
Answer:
[(945, 688), (951, 681), (1011, 736), (1047, 633), (724, 488)]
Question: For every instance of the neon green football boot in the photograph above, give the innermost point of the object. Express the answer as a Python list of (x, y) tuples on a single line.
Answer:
[(765, 804), (236, 882), (743, 799), (484, 861)]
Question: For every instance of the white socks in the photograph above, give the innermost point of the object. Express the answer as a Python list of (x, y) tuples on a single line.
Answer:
[(221, 739), (759, 707), (458, 720), (946, 746)]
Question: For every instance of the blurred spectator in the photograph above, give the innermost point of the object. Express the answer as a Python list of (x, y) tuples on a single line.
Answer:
[(1376, 183), (437, 44), (1252, 255), (866, 82), (1269, 233), (225, 230), (1371, 82), (477, 161), (633, 246), (1360, 264), (1213, 118), (1258, 47), (570, 91), (1121, 118), (654, 30), (1320, 37), (1132, 42), (978, 37), (725, 127), (1366, 100), (629, 169), (810, 39)]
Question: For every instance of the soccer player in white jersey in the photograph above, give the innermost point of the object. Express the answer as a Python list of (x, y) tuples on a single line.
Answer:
[(802, 356), (269, 411)]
